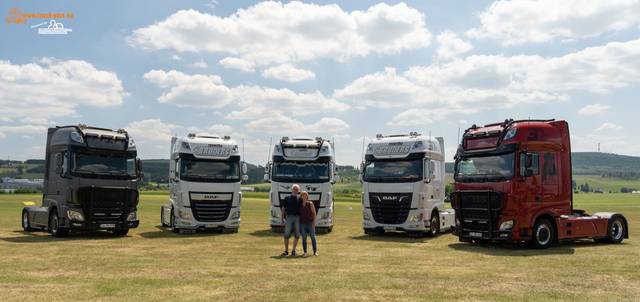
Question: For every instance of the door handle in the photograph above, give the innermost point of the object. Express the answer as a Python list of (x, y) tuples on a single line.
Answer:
[(538, 198)]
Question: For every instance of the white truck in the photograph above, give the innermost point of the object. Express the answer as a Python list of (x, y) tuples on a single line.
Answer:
[(309, 163), (404, 186), (205, 174)]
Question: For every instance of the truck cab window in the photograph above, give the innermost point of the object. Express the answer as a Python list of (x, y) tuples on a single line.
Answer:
[(532, 161)]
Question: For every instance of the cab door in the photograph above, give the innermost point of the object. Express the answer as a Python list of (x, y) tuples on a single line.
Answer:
[(530, 190)]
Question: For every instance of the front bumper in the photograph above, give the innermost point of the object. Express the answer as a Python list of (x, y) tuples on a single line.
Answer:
[(191, 223), (497, 235), (407, 226)]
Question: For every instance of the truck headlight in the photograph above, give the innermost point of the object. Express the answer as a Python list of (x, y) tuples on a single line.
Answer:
[(325, 215), (184, 215), (73, 215), (365, 216), (275, 214), (507, 225), (416, 218), (235, 215), (133, 216)]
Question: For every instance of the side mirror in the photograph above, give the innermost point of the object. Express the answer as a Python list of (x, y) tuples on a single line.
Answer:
[(432, 167), (360, 177), (141, 175), (172, 175), (266, 168), (58, 159), (336, 169), (244, 168), (245, 177), (59, 170), (139, 164), (266, 177), (361, 167), (336, 178), (528, 163)]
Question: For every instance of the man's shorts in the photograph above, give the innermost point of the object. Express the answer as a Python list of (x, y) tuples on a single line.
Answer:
[(292, 221)]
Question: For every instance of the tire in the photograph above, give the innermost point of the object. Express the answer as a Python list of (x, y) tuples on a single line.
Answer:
[(543, 234), (54, 225), (25, 221), (617, 230), (434, 224), (173, 223), (121, 232)]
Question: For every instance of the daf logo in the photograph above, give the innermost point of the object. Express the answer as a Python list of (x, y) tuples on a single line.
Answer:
[(211, 197), (391, 198)]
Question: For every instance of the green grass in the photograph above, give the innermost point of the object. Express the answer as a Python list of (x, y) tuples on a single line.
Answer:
[(153, 264)]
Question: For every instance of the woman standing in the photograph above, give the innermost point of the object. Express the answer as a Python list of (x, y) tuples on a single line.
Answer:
[(307, 222)]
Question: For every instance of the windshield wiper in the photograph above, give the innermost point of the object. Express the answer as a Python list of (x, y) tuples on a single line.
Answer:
[(86, 171)]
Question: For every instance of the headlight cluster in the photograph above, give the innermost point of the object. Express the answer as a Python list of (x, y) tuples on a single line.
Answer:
[(133, 216), (235, 215), (73, 215), (507, 225), (184, 215), (275, 214), (416, 218), (325, 215), (365, 216)]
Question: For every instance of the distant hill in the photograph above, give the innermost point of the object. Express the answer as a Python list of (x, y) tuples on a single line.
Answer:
[(596, 163)]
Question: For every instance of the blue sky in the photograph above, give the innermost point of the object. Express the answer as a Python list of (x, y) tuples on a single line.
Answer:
[(337, 69)]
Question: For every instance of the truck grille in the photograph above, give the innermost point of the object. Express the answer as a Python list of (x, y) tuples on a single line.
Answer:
[(108, 204), (390, 208), (477, 210), (210, 211)]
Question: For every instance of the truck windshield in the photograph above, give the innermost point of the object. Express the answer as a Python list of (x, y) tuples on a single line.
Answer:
[(486, 168), (102, 166), (394, 171), (209, 170), (300, 171)]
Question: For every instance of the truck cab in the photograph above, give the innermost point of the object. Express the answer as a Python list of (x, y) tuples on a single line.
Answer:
[(90, 182), (309, 163), (513, 184), (205, 174), (404, 185)]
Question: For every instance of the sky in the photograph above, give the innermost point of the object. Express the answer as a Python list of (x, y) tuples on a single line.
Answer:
[(343, 70)]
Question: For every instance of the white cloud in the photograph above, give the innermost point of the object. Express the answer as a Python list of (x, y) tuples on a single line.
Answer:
[(36, 152), (6, 119), (287, 72), (593, 109), (451, 45), (496, 82), (161, 147), (259, 102), (200, 64), (36, 120), (278, 124), (194, 91), (221, 129), (176, 57), (272, 32), (151, 130), (609, 126), (212, 4), (22, 129), (55, 88), (27, 137), (517, 22), (194, 129)]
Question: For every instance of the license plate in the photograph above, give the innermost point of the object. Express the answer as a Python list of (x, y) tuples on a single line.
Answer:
[(107, 225), (390, 228), (474, 234), (210, 225)]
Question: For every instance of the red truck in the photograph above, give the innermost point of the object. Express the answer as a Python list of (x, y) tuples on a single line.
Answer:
[(513, 184)]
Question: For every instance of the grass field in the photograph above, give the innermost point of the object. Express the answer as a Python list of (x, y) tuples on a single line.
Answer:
[(153, 264)]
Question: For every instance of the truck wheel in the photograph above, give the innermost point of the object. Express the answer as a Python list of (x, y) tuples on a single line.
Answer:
[(434, 224), (25, 221), (121, 232), (617, 230), (173, 223), (543, 234), (54, 225)]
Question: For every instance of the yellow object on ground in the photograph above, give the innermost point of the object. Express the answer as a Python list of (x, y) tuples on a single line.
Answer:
[(28, 203)]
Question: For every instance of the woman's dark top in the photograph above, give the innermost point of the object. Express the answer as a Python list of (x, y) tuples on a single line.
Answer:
[(306, 213)]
